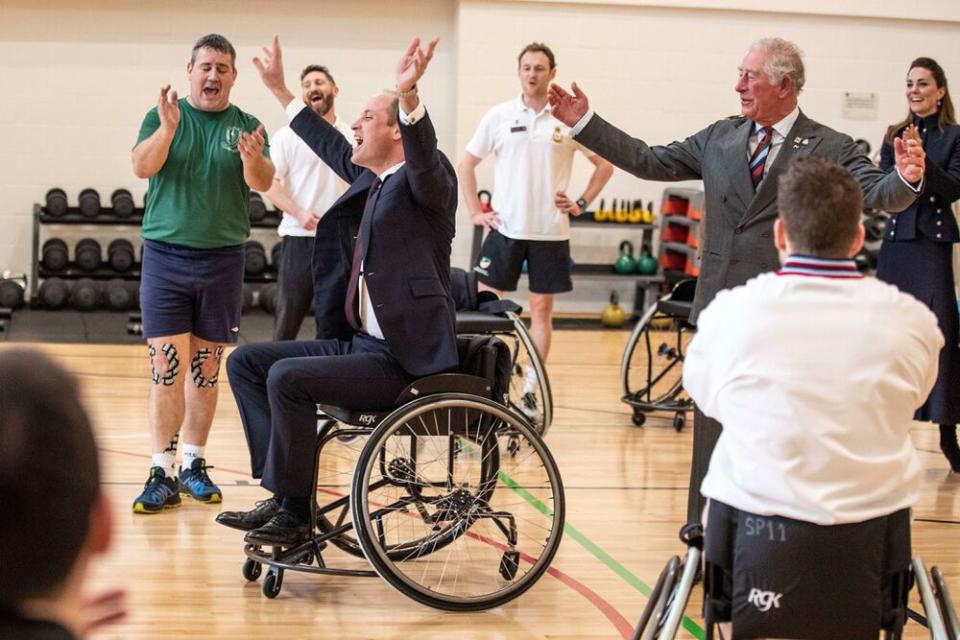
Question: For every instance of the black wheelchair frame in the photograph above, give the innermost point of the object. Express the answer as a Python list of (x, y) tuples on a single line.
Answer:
[(449, 473), (663, 613), (663, 387)]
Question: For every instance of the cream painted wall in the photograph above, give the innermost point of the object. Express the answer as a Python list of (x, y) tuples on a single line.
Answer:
[(662, 73), (78, 77)]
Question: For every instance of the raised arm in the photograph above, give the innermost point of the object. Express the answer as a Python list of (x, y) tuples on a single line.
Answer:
[(150, 154), (321, 136), (432, 178)]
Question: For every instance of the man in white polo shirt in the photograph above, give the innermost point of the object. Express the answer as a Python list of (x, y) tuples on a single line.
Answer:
[(303, 188), (531, 208), (814, 370)]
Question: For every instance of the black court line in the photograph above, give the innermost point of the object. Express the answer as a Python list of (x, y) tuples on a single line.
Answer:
[(936, 521)]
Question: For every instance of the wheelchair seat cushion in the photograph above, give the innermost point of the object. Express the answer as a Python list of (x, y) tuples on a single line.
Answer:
[(783, 578)]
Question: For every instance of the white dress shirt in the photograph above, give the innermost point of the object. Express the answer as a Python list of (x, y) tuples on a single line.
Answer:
[(815, 374)]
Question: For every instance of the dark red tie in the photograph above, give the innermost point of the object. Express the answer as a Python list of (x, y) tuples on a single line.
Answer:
[(352, 306), (759, 158)]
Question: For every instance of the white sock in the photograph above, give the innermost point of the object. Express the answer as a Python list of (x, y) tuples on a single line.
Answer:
[(530, 384), (166, 460), (190, 453)]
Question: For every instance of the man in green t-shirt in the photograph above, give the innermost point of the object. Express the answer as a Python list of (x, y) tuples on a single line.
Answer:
[(202, 156)]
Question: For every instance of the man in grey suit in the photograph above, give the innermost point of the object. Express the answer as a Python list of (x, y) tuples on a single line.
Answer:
[(739, 160)]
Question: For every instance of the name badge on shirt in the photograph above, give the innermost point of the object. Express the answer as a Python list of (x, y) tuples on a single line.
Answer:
[(518, 129)]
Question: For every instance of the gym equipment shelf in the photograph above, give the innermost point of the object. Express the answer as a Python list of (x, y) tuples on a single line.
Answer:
[(107, 217)]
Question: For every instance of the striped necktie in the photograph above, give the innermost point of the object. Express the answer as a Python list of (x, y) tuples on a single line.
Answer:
[(759, 158)]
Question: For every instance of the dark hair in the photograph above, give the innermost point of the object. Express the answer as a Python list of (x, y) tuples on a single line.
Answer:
[(393, 111), (947, 114), (820, 204), (49, 475), (538, 47), (216, 42), (310, 68)]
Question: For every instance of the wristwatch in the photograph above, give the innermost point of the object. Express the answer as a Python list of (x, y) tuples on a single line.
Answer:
[(582, 204)]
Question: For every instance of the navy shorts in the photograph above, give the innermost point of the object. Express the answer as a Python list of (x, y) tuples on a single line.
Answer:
[(548, 263), (197, 291)]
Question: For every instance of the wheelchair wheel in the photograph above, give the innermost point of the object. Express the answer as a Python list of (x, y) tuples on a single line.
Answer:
[(530, 392), (445, 514), (652, 365)]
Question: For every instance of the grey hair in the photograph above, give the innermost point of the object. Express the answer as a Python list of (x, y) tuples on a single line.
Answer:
[(783, 58)]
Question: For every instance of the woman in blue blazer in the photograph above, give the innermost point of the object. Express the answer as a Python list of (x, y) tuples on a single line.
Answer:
[(917, 251)]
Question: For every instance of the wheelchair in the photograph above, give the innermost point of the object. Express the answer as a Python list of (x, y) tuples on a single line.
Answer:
[(655, 351), (724, 597), (452, 497), (482, 313)]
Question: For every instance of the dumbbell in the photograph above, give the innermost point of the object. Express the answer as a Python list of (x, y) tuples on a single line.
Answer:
[(255, 258), (56, 200), (258, 208), (54, 255), (120, 254), (117, 295), (54, 293), (87, 254), (122, 202), (275, 255), (268, 298), (86, 295), (11, 294), (89, 202)]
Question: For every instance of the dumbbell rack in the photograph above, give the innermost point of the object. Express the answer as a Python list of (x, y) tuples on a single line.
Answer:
[(108, 218)]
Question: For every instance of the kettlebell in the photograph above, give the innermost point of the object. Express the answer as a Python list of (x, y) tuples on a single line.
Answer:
[(636, 214), (613, 315), (622, 214), (646, 263), (485, 198), (625, 264), (600, 215), (648, 213)]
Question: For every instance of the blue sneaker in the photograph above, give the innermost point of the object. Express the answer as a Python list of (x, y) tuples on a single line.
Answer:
[(195, 482), (159, 493)]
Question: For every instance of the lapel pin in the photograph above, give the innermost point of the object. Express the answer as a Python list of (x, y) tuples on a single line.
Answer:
[(797, 140), (806, 141), (796, 146)]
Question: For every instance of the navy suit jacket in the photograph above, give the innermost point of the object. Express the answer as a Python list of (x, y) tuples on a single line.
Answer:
[(930, 215), (407, 265)]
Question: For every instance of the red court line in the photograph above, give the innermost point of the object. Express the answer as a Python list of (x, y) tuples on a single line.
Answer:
[(624, 628)]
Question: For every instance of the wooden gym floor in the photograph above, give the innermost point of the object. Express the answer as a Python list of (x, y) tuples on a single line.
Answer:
[(625, 493)]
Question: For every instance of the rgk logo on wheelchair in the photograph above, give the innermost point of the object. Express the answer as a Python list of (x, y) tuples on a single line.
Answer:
[(764, 600)]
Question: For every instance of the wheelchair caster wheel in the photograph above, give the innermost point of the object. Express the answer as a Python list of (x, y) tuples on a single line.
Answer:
[(252, 570), (272, 582), (679, 421), (639, 417), (509, 564)]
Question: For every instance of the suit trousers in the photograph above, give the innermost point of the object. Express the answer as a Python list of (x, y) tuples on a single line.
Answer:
[(706, 432), (278, 385), (294, 286)]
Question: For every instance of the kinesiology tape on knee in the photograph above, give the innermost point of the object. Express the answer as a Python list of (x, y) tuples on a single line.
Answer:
[(173, 364), (196, 367)]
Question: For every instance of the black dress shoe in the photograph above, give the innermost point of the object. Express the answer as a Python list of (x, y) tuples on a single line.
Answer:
[(250, 520), (284, 530)]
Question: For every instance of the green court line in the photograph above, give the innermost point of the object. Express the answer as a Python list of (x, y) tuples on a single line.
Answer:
[(690, 625)]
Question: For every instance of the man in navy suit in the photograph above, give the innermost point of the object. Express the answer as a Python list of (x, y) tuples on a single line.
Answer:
[(387, 293)]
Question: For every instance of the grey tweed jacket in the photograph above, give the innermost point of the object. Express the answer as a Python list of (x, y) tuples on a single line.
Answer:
[(738, 242)]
